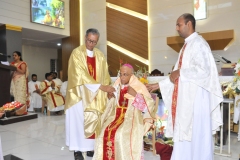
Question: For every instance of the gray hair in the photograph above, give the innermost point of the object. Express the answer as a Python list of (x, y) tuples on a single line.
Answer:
[(92, 31)]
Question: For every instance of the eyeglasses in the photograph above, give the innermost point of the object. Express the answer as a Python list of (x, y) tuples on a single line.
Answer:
[(124, 75), (90, 41)]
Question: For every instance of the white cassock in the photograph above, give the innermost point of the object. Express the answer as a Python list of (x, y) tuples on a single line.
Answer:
[(63, 89), (199, 95), (35, 99), (75, 138), (58, 82)]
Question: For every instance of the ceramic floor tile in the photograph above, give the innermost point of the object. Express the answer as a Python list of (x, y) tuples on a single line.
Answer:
[(44, 139)]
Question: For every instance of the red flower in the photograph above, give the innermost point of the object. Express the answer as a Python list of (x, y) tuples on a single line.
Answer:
[(238, 73)]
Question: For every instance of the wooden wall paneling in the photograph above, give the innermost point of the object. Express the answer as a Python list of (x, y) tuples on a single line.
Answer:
[(72, 42), (128, 32), (139, 6), (113, 58), (217, 40), (59, 62)]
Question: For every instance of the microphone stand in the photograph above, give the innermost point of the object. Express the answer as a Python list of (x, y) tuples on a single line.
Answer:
[(226, 60)]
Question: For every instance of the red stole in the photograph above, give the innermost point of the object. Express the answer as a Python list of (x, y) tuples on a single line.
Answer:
[(111, 129), (175, 91), (91, 64)]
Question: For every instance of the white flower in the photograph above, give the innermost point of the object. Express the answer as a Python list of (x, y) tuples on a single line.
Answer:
[(237, 68)]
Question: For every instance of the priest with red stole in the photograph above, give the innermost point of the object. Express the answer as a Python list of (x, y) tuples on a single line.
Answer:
[(128, 116), (86, 97)]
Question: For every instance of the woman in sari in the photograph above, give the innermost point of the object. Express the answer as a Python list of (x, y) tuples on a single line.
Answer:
[(19, 82)]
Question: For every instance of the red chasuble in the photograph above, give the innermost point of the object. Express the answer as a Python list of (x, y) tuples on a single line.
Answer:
[(110, 131), (91, 64)]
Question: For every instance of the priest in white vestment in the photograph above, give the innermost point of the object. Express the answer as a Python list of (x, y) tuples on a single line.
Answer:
[(88, 82), (192, 95), (34, 93), (63, 89)]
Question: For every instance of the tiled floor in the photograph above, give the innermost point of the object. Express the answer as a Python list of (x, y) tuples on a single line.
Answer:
[(44, 139)]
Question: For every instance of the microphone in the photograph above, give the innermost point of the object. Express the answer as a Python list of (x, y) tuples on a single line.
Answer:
[(226, 60), (5, 55)]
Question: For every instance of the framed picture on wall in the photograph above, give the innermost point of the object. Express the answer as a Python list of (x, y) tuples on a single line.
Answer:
[(48, 12), (200, 9)]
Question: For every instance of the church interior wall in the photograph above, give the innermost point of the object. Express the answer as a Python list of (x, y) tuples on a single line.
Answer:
[(38, 60), (222, 15), (94, 16)]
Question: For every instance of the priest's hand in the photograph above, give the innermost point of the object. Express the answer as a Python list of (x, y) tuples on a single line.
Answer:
[(174, 75), (152, 87), (110, 95), (53, 84), (132, 91), (38, 91), (107, 88)]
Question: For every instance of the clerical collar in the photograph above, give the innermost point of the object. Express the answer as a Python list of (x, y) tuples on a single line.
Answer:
[(191, 37), (89, 53), (124, 85)]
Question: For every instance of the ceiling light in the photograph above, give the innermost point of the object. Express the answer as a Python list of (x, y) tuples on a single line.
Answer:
[(128, 53), (59, 44), (127, 11)]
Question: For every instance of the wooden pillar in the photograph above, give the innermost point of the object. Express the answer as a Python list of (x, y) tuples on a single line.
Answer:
[(72, 42)]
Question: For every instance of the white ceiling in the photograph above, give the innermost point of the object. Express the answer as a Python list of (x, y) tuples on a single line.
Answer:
[(41, 39)]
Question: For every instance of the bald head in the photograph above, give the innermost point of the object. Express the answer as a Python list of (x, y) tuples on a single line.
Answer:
[(126, 71), (189, 18), (185, 25)]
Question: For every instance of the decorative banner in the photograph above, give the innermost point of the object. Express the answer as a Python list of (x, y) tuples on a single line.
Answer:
[(48, 12), (200, 9)]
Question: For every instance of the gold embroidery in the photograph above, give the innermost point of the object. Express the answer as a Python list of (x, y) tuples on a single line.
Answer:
[(109, 150), (113, 126), (91, 70)]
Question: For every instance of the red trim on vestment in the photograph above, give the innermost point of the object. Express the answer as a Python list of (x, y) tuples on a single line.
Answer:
[(54, 102), (45, 88), (175, 91)]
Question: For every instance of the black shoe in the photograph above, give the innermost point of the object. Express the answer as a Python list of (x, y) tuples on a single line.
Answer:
[(90, 153), (78, 155)]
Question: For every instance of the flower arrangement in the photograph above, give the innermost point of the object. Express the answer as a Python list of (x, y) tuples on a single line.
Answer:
[(160, 133), (237, 77), (232, 88), (142, 74)]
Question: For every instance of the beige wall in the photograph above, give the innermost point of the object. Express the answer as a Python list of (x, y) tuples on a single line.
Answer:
[(38, 60), (222, 15), (93, 15), (17, 12)]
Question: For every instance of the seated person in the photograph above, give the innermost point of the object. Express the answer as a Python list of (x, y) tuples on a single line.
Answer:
[(34, 93), (50, 94), (57, 81), (63, 89), (123, 121), (156, 72)]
